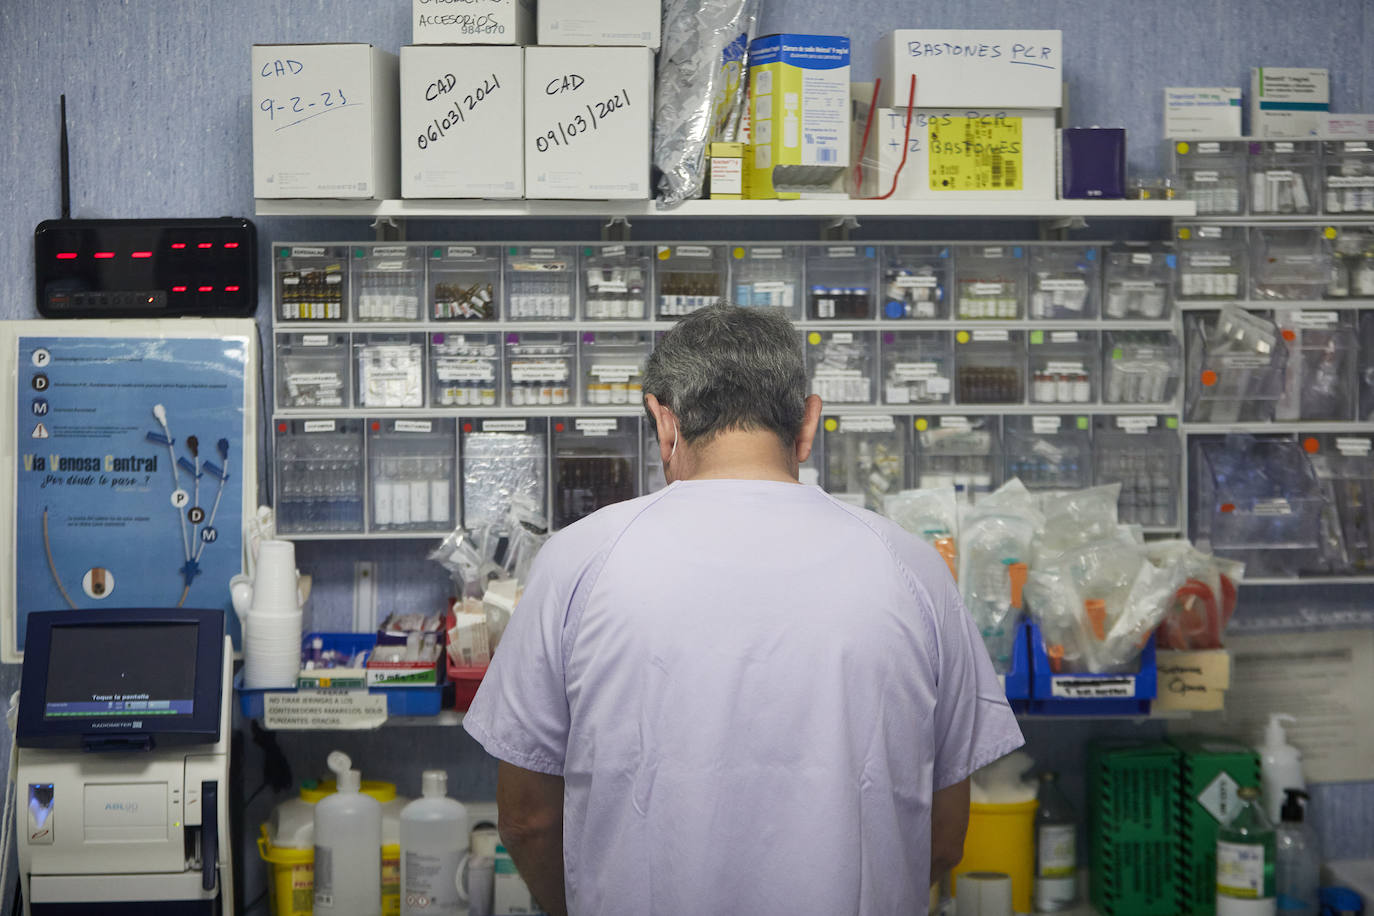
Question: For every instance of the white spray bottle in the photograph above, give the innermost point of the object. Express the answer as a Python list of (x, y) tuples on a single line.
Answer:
[(348, 846), (1281, 766)]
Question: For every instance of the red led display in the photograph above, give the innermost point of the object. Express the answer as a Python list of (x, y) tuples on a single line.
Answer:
[(205, 245), (178, 244), (66, 256), (178, 289), (140, 254), (205, 289), (231, 289), (103, 255)]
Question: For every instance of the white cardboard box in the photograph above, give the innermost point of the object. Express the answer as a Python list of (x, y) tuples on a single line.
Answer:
[(472, 22), (1207, 111), (462, 134), (324, 121), (588, 123), (635, 23), (1288, 101), (972, 68), (1346, 127), (988, 150)]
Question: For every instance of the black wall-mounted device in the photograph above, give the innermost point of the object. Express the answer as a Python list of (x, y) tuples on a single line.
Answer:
[(143, 268)]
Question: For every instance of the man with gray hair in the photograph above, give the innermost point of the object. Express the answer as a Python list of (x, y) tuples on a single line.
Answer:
[(737, 694)]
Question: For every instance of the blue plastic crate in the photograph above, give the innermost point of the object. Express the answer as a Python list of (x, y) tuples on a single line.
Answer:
[(400, 701), (1048, 690), (1017, 681)]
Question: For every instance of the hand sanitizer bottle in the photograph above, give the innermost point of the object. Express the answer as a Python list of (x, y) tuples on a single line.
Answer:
[(1299, 860), (1280, 766), (434, 851), (348, 846)]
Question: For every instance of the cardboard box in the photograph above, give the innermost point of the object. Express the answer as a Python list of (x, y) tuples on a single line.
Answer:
[(325, 121), (1202, 111), (799, 102), (588, 123), (1288, 101), (972, 68), (726, 180), (1346, 126), (636, 23), (472, 22), (1195, 681), (511, 895), (462, 134), (956, 154)]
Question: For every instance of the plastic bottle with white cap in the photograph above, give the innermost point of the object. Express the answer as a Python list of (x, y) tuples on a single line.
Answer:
[(434, 850), (348, 846), (1280, 766)]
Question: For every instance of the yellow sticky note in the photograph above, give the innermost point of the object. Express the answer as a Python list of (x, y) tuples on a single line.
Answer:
[(975, 154)]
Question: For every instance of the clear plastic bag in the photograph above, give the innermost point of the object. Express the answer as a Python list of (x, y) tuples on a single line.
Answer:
[(1203, 602), (932, 515), (1076, 517), (995, 544)]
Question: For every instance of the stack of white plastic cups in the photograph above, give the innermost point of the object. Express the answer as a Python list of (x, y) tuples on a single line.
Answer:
[(272, 626)]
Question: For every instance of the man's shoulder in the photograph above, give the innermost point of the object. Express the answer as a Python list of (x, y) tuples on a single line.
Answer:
[(592, 535), (913, 554)]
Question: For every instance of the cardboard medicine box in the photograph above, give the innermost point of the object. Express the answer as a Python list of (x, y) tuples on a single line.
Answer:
[(1288, 101), (799, 102), (588, 123), (472, 22), (325, 121), (1202, 111), (462, 134), (973, 68), (635, 23)]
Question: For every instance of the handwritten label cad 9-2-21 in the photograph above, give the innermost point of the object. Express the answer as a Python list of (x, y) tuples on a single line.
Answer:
[(456, 112), (596, 113), (298, 107)]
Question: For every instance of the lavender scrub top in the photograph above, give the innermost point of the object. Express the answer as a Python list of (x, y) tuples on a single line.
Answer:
[(751, 690)]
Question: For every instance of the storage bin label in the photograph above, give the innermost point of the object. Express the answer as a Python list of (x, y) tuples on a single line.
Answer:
[(1069, 687)]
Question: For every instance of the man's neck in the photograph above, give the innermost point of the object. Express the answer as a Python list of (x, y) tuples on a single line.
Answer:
[(752, 455)]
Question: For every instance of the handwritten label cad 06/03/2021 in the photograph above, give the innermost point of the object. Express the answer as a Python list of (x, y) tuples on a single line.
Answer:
[(577, 124), (456, 113)]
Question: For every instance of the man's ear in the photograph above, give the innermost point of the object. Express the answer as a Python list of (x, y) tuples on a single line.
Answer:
[(666, 425), (811, 420)]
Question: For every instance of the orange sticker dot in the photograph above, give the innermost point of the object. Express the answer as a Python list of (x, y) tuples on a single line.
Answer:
[(376, 426), (1289, 335), (467, 427), (1209, 378), (1311, 445), (558, 427), (1228, 507)]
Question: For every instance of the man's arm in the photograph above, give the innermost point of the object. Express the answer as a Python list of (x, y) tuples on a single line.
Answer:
[(530, 821), (948, 825)]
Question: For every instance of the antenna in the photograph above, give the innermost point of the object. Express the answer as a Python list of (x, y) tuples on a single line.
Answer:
[(66, 178)]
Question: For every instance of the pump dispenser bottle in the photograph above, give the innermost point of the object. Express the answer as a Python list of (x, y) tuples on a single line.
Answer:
[(348, 847), (1280, 766), (1299, 860), (1246, 861), (434, 851)]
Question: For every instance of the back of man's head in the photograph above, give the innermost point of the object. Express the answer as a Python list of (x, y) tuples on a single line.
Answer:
[(725, 368)]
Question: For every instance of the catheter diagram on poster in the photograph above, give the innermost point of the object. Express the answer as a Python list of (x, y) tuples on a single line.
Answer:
[(128, 490)]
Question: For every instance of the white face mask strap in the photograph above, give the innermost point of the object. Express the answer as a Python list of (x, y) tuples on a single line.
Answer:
[(674, 451)]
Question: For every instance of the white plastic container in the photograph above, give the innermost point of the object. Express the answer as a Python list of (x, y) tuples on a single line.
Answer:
[(1280, 766), (434, 850), (348, 836)]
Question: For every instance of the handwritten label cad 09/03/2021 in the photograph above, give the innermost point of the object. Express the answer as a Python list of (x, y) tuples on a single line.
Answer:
[(456, 113), (597, 112)]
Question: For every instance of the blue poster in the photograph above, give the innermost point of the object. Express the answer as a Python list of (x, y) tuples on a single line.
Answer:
[(130, 483)]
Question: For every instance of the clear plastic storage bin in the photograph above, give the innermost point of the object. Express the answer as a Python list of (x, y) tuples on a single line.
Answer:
[(916, 281), (1352, 264), (962, 452), (311, 370), (319, 476), (613, 367), (616, 282), (1064, 280), (767, 276), (990, 282), (1236, 362), (310, 282), (1211, 173), (1213, 262), (840, 281), (1140, 367), (387, 282), (595, 464), (689, 277), (918, 367), (1048, 453), (1345, 468), (539, 369), (541, 282), (465, 369), (1283, 176), (842, 365), (1063, 367), (1144, 455), (865, 458), (465, 282), (505, 466), (1348, 176), (1139, 281), (1319, 376), (989, 367), (390, 370), (410, 475), (1366, 366), (1289, 263)]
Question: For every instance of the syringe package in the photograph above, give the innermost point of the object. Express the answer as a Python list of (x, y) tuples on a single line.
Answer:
[(1213, 262), (1236, 367), (541, 282), (1348, 176), (465, 369), (1283, 176), (310, 282), (312, 370), (990, 281), (1048, 452), (960, 452), (319, 476), (767, 276), (503, 461), (1212, 174), (916, 282), (842, 365), (689, 277), (918, 367), (595, 464), (465, 282), (410, 474), (1289, 263), (1144, 455), (616, 282), (613, 366), (1139, 281), (1319, 377), (1064, 280), (864, 458), (1140, 367), (1063, 367), (840, 280), (390, 369), (990, 367), (539, 369), (387, 282)]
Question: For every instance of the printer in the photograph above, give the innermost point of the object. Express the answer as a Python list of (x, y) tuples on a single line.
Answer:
[(123, 738)]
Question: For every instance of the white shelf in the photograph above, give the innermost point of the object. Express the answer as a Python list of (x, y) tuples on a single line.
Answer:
[(1324, 305), (663, 324), (725, 209), (636, 410), (1309, 580), (360, 535), (1274, 427), (1285, 219)]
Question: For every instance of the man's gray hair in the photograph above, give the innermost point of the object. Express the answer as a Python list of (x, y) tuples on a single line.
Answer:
[(730, 368)]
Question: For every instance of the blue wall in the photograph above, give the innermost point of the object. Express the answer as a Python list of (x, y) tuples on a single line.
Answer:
[(158, 102)]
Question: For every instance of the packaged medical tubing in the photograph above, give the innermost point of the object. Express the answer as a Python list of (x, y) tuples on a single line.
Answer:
[(1280, 766), (348, 837), (1245, 861), (434, 851)]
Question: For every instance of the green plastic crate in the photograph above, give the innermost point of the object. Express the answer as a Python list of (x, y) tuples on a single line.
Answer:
[(1210, 771), (1133, 828)]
